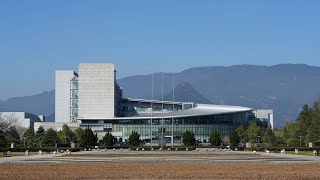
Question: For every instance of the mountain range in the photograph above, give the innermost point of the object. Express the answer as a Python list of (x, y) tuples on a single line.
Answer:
[(40, 104), (283, 88)]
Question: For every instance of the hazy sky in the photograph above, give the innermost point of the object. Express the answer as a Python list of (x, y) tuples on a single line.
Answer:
[(140, 37)]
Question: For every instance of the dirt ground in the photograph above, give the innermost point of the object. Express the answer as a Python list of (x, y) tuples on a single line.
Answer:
[(161, 171)]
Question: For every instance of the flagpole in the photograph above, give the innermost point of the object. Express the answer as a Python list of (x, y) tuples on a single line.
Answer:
[(162, 113), (172, 108), (151, 110)]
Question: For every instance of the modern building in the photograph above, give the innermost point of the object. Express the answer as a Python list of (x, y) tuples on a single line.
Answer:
[(66, 97), (99, 94), (264, 116), (24, 119), (93, 99)]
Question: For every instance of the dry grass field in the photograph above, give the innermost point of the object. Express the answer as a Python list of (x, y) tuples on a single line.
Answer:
[(161, 171), (163, 155)]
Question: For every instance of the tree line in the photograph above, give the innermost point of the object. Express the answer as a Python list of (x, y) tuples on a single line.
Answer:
[(252, 134), (42, 138), (306, 128)]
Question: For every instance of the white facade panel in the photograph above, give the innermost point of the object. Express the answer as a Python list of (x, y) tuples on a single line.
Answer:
[(96, 91), (265, 114), (62, 96)]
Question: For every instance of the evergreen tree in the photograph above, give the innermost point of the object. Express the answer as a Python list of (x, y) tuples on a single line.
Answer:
[(188, 138), (79, 135), (293, 142), (12, 135), (134, 139), (89, 139), (66, 136), (3, 141), (29, 137), (50, 138), (253, 132), (234, 138), (279, 141), (290, 134), (241, 131), (108, 139), (215, 139), (313, 133), (303, 123), (40, 133), (268, 136)]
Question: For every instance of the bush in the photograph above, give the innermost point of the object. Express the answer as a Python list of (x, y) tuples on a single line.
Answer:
[(188, 138), (215, 139), (134, 139), (234, 138), (278, 149), (36, 149), (108, 139), (156, 148)]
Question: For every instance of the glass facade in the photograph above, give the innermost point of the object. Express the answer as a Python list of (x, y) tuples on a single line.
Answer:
[(73, 100), (133, 108), (201, 126)]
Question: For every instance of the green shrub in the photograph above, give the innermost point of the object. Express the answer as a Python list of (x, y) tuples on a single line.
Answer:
[(134, 139), (188, 138)]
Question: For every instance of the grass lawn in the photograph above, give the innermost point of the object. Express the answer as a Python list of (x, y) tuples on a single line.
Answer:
[(309, 153)]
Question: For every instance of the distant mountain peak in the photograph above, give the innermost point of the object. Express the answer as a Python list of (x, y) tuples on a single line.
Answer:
[(184, 92)]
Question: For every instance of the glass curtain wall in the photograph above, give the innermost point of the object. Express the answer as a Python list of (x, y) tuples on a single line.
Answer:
[(201, 126), (74, 100)]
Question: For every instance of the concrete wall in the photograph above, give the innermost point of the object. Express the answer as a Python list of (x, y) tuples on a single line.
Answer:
[(96, 91), (62, 95)]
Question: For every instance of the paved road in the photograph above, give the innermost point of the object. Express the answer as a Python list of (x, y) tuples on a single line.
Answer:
[(18, 159), (272, 157)]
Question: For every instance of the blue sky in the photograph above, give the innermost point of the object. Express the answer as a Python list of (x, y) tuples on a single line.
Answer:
[(141, 37)]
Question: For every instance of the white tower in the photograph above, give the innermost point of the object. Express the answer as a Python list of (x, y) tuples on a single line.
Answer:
[(63, 95), (97, 96)]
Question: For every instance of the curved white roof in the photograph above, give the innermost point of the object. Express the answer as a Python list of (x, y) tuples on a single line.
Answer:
[(199, 110)]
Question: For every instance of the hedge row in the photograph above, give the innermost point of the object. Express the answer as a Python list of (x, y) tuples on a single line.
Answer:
[(36, 149), (278, 149), (148, 148)]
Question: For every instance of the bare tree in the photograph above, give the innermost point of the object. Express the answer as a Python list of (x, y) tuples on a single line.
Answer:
[(10, 120), (4, 124)]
